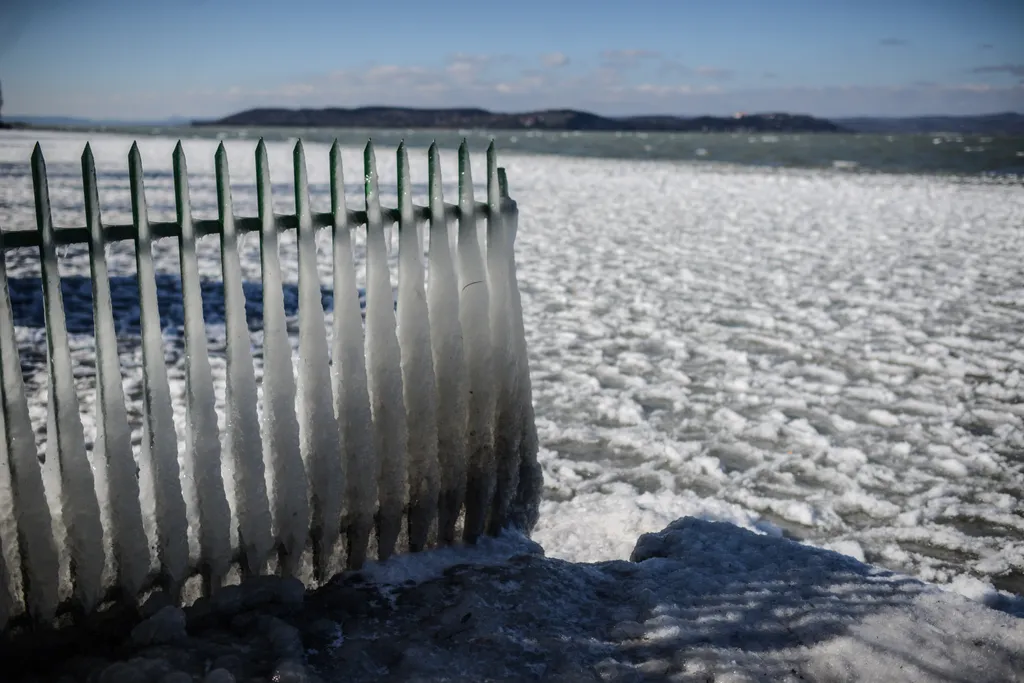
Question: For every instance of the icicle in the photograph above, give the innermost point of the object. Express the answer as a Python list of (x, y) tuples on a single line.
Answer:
[(160, 439), (383, 359), (449, 360), (420, 388), (506, 410), (321, 444), (244, 464), (113, 445), (78, 499), (351, 398), (473, 314), (287, 487), (525, 507), (208, 510)]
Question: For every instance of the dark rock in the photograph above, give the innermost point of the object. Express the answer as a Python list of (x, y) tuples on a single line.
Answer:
[(321, 631), (153, 669), (353, 601), (228, 601), (232, 663), (244, 622), (200, 614), (177, 677), (156, 601), (166, 626), (293, 672), (219, 676), (291, 592), (285, 641), (122, 672)]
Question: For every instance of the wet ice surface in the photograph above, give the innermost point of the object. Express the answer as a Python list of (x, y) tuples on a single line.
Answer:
[(835, 355)]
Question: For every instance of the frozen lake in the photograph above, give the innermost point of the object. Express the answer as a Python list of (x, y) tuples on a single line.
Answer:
[(833, 356)]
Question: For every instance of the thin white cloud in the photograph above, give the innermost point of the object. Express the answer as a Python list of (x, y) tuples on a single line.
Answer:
[(713, 72), (1012, 69), (625, 59), (554, 59)]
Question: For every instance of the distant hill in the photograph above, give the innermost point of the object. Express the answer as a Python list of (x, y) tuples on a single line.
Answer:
[(1007, 123), (73, 121), (551, 119)]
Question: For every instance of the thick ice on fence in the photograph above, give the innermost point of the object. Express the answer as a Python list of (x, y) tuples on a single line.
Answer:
[(113, 446), (348, 374), (506, 407), (474, 316), (449, 360), (321, 443), (383, 362), (81, 509), (420, 388), (202, 433), (396, 462), (524, 510), (29, 549), (243, 468), (286, 472), (159, 444)]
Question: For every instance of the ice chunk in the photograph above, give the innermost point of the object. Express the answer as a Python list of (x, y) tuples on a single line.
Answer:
[(473, 314), (203, 454), (348, 373), (507, 410), (113, 446), (449, 360), (420, 388), (383, 361), (321, 443), (78, 491), (243, 466)]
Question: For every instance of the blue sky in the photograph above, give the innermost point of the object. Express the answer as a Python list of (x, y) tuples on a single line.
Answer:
[(147, 59)]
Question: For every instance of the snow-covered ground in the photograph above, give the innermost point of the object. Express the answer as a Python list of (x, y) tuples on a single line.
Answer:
[(831, 356)]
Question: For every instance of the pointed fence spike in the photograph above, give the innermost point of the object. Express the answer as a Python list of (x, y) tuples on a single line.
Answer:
[(119, 485), (474, 316), (507, 409), (417, 367), (244, 444), (280, 428), (80, 507), (159, 458), (383, 359), (320, 437), (348, 374), (207, 502), (449, 360), (37, 555)]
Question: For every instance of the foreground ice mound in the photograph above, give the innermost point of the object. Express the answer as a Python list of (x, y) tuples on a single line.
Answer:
[(699, 601)]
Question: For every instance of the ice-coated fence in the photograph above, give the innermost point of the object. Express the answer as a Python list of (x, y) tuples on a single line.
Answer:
[(414, 428)]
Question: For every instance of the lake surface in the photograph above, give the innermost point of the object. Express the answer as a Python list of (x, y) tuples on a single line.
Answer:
[(936, 153)]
